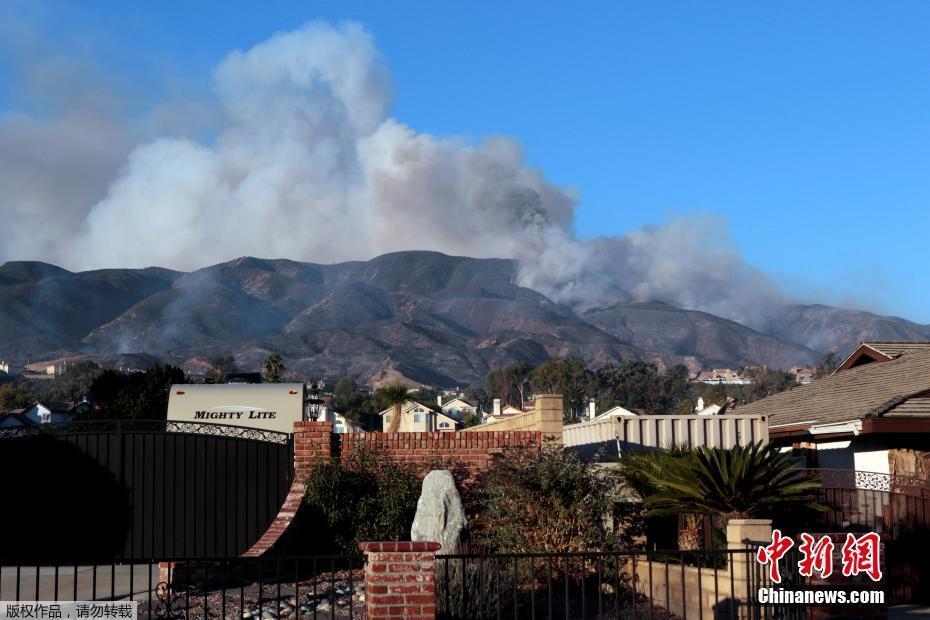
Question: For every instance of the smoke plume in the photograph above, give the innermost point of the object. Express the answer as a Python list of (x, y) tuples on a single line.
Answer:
[(308, 164)]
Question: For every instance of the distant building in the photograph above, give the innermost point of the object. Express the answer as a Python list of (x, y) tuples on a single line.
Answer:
[(11, 369), (417, 417), (722, 376), (340, 423), (40, 413), (457, 408), (802, 376), (499, 411)]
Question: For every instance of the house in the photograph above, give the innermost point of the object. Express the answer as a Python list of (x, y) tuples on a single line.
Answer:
[(457, 408), (880, 351), (11, 369), (722, 376), (417, 417), (613, 412), (871, 415), (340, 423), (500, 412), (40, 413), (802, 376), (700, 409)]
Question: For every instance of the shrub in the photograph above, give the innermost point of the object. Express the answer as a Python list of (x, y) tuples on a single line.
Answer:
[(543, 501), (365, 496)]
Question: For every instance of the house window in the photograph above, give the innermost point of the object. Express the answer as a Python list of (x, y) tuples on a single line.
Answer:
[(387, 418), (417, 418), (444, 425)]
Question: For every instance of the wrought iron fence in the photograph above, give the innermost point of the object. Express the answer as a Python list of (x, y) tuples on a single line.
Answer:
[(661, 585), (199, 588)]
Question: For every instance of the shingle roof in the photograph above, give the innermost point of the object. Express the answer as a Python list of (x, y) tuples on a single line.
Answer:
[(917, 407), (852, 394), (894, 348)]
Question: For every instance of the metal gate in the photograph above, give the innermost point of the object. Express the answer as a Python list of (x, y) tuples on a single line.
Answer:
[(107, 490)]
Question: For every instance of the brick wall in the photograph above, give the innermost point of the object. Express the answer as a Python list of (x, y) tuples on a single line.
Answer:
[(312, 441), (465, 454)]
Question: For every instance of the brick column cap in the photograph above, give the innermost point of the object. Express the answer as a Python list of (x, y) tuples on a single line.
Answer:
[(411, 546)]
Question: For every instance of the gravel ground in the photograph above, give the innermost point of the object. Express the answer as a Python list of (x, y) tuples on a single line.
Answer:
[(318, 598)]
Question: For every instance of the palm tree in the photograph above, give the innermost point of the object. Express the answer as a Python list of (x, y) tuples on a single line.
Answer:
[(273, 366), (393, 395), (735, 483), (642, 471)]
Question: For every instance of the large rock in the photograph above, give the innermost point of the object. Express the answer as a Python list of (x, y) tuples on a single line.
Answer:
[(440, 517)]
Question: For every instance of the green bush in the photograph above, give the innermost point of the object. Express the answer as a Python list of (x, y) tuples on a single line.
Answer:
[(366, 496)]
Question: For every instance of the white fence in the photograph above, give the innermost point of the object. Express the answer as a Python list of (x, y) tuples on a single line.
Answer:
[(663, 431)]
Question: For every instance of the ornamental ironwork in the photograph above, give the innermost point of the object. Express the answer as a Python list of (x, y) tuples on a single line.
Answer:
[(139, 426), (871, 481)]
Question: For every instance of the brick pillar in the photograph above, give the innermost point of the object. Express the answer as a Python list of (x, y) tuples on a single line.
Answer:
[(400, 579)]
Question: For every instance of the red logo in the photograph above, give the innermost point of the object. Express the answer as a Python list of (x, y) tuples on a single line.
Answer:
[(817, 555), (770, 554), (860, 555)]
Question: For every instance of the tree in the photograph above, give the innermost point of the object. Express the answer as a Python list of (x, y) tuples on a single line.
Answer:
[(570, 378), (736, 483), (479, 396), (272, 368), (765, 382), (345, 394), (74, 383), (14, 397), (141, 395), (393, 396), (509, 384), (826, 365), (639, 385), (219, 366)]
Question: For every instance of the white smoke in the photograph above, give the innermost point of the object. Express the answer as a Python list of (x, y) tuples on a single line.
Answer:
[(308, 164)]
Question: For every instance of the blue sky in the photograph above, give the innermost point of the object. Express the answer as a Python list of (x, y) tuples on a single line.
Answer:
[(806, 124)]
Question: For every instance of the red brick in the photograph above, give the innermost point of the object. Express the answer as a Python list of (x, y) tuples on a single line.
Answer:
[(386, 599)]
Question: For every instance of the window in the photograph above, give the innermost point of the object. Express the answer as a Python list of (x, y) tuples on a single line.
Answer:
[(387, 418), (417, 418), (443, 425)]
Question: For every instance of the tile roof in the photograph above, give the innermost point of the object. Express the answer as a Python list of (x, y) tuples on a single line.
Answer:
[(863, 391)]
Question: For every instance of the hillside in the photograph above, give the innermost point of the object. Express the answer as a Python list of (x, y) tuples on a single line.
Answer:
[(423, 316)]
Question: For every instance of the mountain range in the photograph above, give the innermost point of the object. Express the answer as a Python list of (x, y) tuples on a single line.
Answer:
[(423, 317)]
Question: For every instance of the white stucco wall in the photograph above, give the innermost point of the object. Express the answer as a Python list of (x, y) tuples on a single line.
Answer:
[(872, 460)]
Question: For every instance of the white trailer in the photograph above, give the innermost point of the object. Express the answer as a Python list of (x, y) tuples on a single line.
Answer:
[(268, 406)]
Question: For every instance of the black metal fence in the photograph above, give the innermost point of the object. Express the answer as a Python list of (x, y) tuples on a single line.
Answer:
[(717, 584), (109, 490), (199, 588)]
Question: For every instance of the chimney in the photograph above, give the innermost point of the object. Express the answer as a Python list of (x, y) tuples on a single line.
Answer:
[(497, 406), (439, 400), (700, 404), (592, 409)]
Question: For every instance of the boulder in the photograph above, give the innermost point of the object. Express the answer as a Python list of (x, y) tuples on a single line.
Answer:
[(440, 517)]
